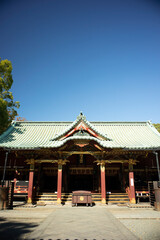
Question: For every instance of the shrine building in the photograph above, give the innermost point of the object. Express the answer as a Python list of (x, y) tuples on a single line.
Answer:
[(60, 157)]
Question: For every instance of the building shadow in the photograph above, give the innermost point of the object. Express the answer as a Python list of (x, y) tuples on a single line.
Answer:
[(15, 230), (12, 136)]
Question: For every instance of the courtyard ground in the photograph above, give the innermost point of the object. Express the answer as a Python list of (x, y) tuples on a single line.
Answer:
[(66, 222)]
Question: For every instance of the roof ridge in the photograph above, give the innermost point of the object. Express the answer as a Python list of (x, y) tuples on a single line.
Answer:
[(92, 122), (144, 122), (152, 127), (41, 122)]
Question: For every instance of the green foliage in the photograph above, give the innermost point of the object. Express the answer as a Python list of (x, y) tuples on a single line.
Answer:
[(7, 105), (157, 126)]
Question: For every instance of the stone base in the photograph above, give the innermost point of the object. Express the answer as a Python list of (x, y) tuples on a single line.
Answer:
[(133, 201), (157, 206), (103, 201), (29, 201), (58, 201), (41, 204)]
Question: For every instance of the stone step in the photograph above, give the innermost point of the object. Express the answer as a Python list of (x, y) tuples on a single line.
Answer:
[(113, 198), (93, 194), (94, 197)]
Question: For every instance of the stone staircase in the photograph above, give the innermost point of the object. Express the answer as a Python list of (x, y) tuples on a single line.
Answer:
[(111, 198), (117, 198)]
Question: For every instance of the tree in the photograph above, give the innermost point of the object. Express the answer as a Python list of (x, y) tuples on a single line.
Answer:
[(157, 126), (7, 105), (21, 119)]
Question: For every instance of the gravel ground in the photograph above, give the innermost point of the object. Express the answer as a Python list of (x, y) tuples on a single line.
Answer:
[(144, 223), (146, 229)]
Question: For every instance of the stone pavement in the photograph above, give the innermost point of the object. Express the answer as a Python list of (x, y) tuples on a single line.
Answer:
[(62, 223), (66, 222), (82, 223)]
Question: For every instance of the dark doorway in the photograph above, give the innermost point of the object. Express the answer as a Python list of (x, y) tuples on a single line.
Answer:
[(113, 183), (81, 182), (49, 183)]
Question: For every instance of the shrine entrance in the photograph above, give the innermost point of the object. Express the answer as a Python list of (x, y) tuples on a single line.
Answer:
[(113, 184), (81, 182), (49, 184), (82, 173), (114, 176)]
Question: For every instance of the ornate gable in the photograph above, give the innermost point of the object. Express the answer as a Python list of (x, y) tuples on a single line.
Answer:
[(81, 128)]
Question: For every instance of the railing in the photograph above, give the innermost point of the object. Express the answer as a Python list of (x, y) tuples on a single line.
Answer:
[(21, 188), (143, 194)]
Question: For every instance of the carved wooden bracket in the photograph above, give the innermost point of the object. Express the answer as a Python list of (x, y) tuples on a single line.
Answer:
[(30, 161), (60, 161)]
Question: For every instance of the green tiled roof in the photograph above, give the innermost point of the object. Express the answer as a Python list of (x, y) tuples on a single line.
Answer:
[(125, 135)]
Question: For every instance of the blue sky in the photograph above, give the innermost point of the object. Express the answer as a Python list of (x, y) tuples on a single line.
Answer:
[(97, 56)]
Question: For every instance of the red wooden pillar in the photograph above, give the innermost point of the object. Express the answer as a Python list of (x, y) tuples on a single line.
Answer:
[(15, 177), (15, 181), (123, 178), (132, 188), (99, 183), (103, 183), (30, 186), (59, 184)]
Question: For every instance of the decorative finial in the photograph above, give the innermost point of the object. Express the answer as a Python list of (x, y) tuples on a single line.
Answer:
[(81, 116)]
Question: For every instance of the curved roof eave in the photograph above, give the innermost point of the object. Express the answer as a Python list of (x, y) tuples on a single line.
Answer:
[(102, 143)]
